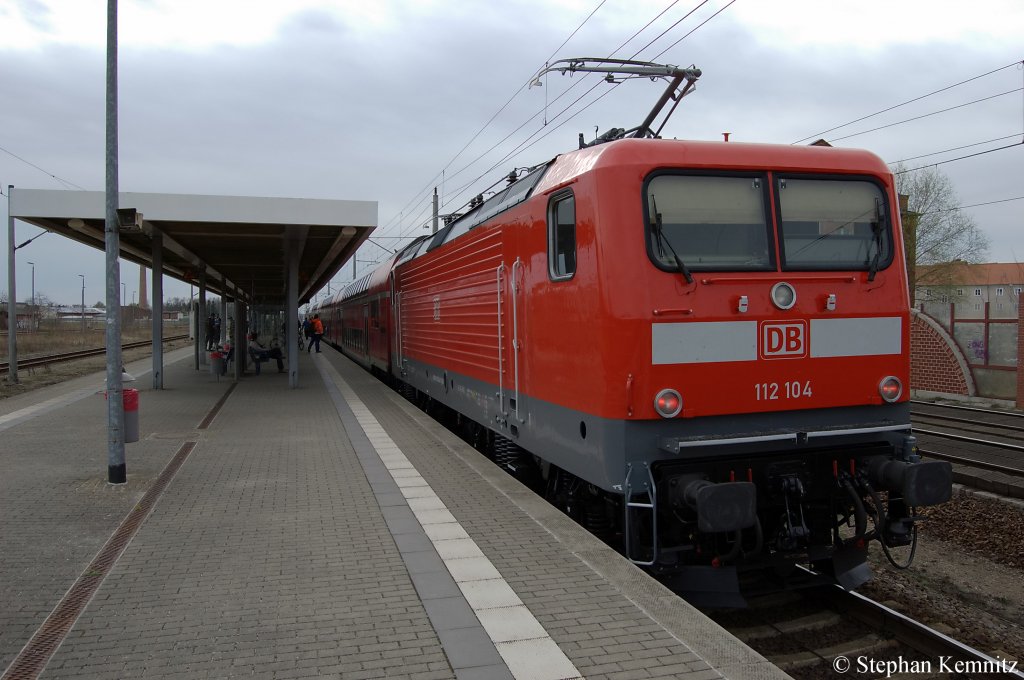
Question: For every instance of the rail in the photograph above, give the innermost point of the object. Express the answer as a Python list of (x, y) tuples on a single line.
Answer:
[(35, 362), (990, 424), (920, 637), (835, 629)]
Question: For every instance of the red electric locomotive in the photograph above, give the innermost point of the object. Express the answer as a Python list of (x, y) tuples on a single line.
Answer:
[(699, 350)]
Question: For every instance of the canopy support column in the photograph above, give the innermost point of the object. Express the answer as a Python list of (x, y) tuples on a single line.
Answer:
[(157, 309), (292, 312)]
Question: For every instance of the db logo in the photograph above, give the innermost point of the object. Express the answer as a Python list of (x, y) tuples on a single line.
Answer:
[(783, 339)]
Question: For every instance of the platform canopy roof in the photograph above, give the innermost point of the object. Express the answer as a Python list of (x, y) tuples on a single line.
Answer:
[(241, 242)]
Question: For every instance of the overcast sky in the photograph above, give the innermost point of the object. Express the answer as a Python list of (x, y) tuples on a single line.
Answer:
[(372, 100)]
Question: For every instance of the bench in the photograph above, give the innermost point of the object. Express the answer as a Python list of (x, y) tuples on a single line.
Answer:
[(257, 359)]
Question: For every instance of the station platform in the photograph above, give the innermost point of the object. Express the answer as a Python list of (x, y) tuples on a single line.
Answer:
[(330, 530)]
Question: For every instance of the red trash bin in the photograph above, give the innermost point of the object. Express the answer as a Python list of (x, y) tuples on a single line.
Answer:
[(130, 398)]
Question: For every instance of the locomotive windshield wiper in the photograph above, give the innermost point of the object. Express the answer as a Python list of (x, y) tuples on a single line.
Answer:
[(662, 239), (876, 229)]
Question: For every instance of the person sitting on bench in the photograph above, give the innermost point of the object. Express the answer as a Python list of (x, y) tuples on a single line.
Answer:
[(261, 353)]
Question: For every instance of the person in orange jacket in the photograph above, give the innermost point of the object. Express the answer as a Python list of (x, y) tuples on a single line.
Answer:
[(318, 332)]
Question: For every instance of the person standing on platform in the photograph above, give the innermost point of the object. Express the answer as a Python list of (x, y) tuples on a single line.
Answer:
[(210, 329), (317, 330)]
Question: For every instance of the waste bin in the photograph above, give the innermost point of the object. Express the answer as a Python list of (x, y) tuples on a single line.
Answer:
[(217, 364), (130, 398)]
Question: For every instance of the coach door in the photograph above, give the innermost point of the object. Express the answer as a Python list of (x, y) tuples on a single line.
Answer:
[(366, 330), (396, 327), (510, 344)]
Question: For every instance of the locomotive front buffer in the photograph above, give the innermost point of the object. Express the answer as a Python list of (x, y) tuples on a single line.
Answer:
[(705, 522)]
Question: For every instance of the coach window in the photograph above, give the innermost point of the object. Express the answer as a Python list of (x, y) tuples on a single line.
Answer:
[(562, 236)]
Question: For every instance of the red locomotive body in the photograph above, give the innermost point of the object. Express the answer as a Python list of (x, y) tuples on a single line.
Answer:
[(701, 349)]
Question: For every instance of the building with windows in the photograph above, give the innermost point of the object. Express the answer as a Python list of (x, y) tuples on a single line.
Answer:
[(977, 307), (969, 288)]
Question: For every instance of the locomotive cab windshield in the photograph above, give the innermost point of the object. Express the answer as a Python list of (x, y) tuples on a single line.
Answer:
[(833, 224), (709, 222), (719, 223)]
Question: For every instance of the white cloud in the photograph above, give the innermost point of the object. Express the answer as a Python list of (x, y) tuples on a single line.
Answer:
[(792, 25), (370, 100)]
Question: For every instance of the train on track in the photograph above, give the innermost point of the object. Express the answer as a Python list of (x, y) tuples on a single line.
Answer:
[(698, 350)]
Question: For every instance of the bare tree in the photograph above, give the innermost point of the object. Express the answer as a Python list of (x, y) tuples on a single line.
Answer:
[(944, 234)]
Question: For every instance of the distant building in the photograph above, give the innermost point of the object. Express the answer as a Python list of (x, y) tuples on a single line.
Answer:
[(27, 316), (74, 313), (976, 306), (969, 287)]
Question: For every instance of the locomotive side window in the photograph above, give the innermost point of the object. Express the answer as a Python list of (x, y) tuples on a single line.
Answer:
[(703, 223), (562, 236), (833, 224)]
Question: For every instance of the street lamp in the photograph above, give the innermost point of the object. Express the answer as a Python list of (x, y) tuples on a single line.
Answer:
[(82, 276), (32, 315)]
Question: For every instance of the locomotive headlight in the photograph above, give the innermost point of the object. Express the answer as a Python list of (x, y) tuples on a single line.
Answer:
[(668, 403), (783, 295), (890, 388)]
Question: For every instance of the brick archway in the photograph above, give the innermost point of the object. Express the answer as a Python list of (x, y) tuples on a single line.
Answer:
[(936, 363)]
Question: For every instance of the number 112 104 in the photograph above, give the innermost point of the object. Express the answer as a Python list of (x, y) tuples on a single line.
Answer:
[(791, 389)]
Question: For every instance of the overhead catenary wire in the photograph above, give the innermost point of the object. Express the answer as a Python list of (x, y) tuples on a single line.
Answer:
[(66, 183), (928, 115), (452, 196), (960, 158), (820, 135), (973, 205), (522, 87), (955, 148), (527, 143)]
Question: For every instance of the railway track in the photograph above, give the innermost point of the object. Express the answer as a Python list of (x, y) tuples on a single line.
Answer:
[(35, 362), (971, 436), (828, 632)]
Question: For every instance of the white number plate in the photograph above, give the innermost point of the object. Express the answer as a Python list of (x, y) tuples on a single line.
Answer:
[(791, 389)]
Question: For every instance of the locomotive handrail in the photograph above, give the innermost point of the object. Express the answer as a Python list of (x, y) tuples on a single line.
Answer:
[(398, 332), (501, 342), (652, 494), (796, 276), (516, 267), (674, 444)]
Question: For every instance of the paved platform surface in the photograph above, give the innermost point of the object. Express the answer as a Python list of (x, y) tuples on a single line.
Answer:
[(326, 531)]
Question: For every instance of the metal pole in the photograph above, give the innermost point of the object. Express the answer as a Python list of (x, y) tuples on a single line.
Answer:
[(158, 310), (201, 328), (292, 311), (434, 231), (12, 298), (82, 308), (117, 472), (32, 315)]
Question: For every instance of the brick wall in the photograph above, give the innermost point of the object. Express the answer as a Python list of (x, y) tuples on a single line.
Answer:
[(936, 363)]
